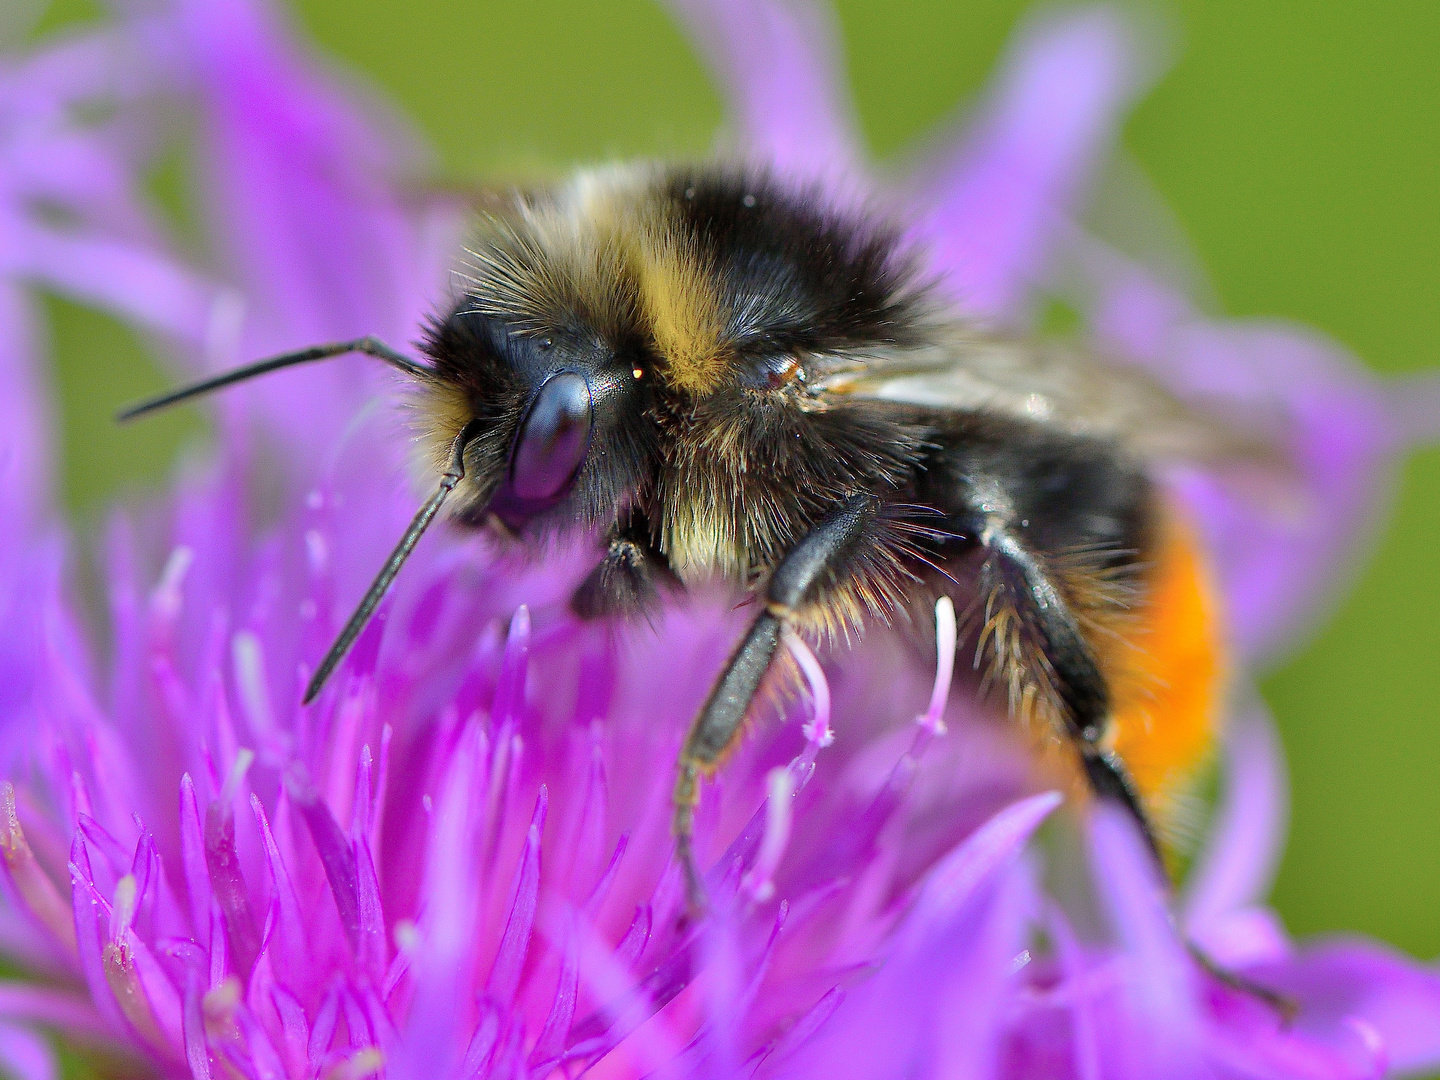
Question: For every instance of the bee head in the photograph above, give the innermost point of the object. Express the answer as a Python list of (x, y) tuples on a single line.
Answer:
[(599, 319), (554, 412)]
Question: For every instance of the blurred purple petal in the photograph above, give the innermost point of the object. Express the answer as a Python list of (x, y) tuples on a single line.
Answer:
[(1242, 851), (1364, 981), (933, 1006), (135, 283), (778, 62), (113, 63), (1156, 1021), (29, 568), (1279, 556), (991, 205), (298, 194), (24, 1055), (992, 846), (60, 1010), (25, 473), (71, 169)]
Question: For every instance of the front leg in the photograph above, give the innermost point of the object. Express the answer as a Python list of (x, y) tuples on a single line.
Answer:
[(814, 571), (627, 579)]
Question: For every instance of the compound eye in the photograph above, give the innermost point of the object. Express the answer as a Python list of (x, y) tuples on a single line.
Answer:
[(554, 439), (773, 372)]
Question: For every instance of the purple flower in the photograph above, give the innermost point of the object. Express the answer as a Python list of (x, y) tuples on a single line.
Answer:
[(458, 863)]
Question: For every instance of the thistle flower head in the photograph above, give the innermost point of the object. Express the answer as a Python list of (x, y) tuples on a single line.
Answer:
[(458, 863)]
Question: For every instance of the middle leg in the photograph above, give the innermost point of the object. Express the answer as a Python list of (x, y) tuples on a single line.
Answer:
[(822, 564)]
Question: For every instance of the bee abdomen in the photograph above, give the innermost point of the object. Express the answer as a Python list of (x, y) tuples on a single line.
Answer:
[(1168, 672)]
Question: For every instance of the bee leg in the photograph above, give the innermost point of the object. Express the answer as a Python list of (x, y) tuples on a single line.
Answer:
[(1016, 581), (1286, 1007), (1109, 779), (811, 569), (712, 733), (625, 582)]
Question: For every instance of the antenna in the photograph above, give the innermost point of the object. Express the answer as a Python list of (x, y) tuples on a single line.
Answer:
[(368, 345), (452, 476)]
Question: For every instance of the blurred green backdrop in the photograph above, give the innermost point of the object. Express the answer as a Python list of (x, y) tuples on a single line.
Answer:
[(1294, 139)]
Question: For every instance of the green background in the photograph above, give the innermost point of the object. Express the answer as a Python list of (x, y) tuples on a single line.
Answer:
[(1296, 142)]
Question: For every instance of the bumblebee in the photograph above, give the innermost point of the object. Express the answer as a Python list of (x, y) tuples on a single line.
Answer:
[(723, 375)]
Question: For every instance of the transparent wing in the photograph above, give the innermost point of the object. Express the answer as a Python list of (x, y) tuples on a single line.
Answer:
[(1058, 383)]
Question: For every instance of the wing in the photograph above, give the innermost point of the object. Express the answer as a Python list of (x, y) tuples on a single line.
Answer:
[(1058, 383)]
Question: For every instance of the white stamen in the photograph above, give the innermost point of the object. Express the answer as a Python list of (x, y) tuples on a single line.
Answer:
[(318, 551), (250, 680), (165, 601), (759, 882), (933, 718), (817, 729), (243, 760), (122, 914)]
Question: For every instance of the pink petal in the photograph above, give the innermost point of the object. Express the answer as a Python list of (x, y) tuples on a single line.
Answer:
[(197, 872), (372, 945), (230, 891), (510, 958), (24, 1055), (197, 1050), (934, 1003), (1280, 556), (778, 63), (433, 1038), (1242, 851), (294, 950), (992, 204), (41, 899), (90, 916), (550, 1043), (335, 854), (1396, 996)]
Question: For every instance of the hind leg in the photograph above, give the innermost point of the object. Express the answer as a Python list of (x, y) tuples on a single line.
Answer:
[(1021, 594), (1036, 647)]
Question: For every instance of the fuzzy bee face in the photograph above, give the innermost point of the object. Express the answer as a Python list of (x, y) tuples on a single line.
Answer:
[(654, 337)]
